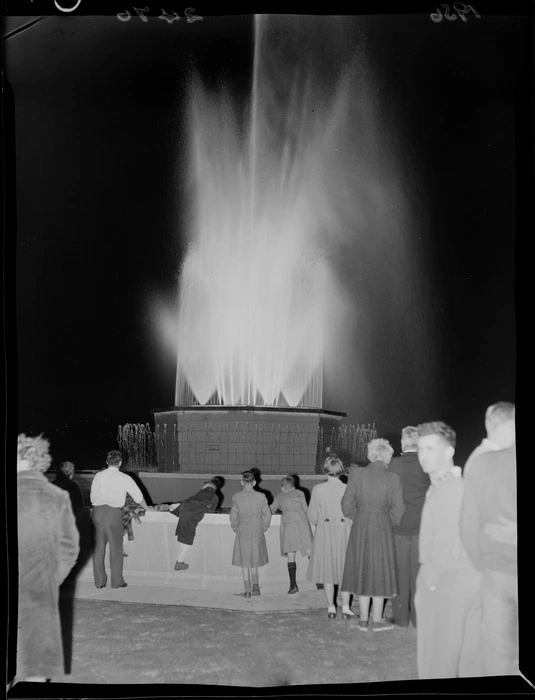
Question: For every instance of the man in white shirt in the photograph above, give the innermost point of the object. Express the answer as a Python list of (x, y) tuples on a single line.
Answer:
[(501, 432), (108, 496)]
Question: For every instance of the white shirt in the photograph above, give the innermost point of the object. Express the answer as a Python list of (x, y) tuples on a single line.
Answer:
[(109, 488), (486, 445)]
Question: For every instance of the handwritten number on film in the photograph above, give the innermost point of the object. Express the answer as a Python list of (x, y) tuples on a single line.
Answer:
[(169, 18), (460, 8)]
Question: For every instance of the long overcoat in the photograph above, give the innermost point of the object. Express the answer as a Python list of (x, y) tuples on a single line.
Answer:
[(48, 542)]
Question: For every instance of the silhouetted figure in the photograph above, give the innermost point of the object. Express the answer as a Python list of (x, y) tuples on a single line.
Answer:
[(415, 483), (65, 480)]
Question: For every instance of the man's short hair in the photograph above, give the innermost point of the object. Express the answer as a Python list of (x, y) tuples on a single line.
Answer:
[(499, 413), (214, 481), (439, 428), (288, 481), (114, 458), (65, 468), (409, 437)]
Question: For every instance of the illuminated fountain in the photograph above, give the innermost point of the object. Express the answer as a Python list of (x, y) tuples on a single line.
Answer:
[(261, 312)]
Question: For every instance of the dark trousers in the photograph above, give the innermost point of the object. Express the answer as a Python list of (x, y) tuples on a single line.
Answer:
[(403, 609), (108, 524)]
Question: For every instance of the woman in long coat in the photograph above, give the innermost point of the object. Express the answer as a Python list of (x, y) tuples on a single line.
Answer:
[(374, 502), (330, 536), (250, 517), (48, 548)]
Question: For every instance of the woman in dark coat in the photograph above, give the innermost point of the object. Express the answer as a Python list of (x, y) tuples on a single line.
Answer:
[(373, 500), (48, 548)]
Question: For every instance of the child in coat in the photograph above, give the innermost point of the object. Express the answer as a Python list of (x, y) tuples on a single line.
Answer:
[(295, 530), (190, 513), (250, 517)]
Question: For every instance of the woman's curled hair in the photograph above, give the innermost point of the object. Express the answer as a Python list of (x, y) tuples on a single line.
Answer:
[(380, 450)]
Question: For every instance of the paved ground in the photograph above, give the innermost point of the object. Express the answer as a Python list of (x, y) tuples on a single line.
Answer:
[(182, 644)]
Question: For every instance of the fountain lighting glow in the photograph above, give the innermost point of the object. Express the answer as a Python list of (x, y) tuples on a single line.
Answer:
[(255, 284)]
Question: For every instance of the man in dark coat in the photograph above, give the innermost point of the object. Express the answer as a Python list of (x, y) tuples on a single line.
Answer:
[(415, 483), (48, 548), (489, 533), (190, 513), (65, 480)]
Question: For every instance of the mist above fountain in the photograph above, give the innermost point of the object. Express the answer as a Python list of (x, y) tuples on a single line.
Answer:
[(255, 283)]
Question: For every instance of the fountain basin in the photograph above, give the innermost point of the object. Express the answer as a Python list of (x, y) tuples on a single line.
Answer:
[(230, 439)]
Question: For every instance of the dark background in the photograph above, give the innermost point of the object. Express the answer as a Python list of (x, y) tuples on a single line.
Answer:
[(99, 159)]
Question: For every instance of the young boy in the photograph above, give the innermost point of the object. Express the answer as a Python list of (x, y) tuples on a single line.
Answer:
[(190, 513)]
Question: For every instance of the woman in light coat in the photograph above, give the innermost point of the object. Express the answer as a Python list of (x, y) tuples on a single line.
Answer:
[(331, 534)]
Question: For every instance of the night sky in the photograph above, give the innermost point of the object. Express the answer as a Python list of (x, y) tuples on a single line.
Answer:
[(100, 181)]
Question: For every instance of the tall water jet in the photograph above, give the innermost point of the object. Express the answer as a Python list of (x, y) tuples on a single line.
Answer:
[(255, 284), (298, 272)]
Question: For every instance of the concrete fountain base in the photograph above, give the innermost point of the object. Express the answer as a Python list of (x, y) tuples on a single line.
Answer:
[(229, 439)]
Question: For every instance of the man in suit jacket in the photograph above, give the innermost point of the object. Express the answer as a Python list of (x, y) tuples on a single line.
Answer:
[(415, 483), (488, 532)]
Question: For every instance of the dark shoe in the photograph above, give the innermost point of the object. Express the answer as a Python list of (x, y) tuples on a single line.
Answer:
[(245, 594), (181, 566), (319, 586), (362, 625), (256, 589), (123, 585), (104, 586), (382, 626), (395, 622), (293, 589), (345, 616), (331, 616)]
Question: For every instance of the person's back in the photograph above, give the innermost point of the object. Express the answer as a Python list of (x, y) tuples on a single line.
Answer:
[(41, 509), (488, 529), (415, 483), (491, 484), (73, 489), (48, 546)]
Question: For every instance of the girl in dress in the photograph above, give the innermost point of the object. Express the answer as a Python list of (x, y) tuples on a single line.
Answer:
[(250, 517), (295, 531), (331, 534)]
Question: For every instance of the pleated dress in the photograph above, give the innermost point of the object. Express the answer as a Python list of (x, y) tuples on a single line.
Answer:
[(295, 530), (250, 517), (331, 534), (374, 501)]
